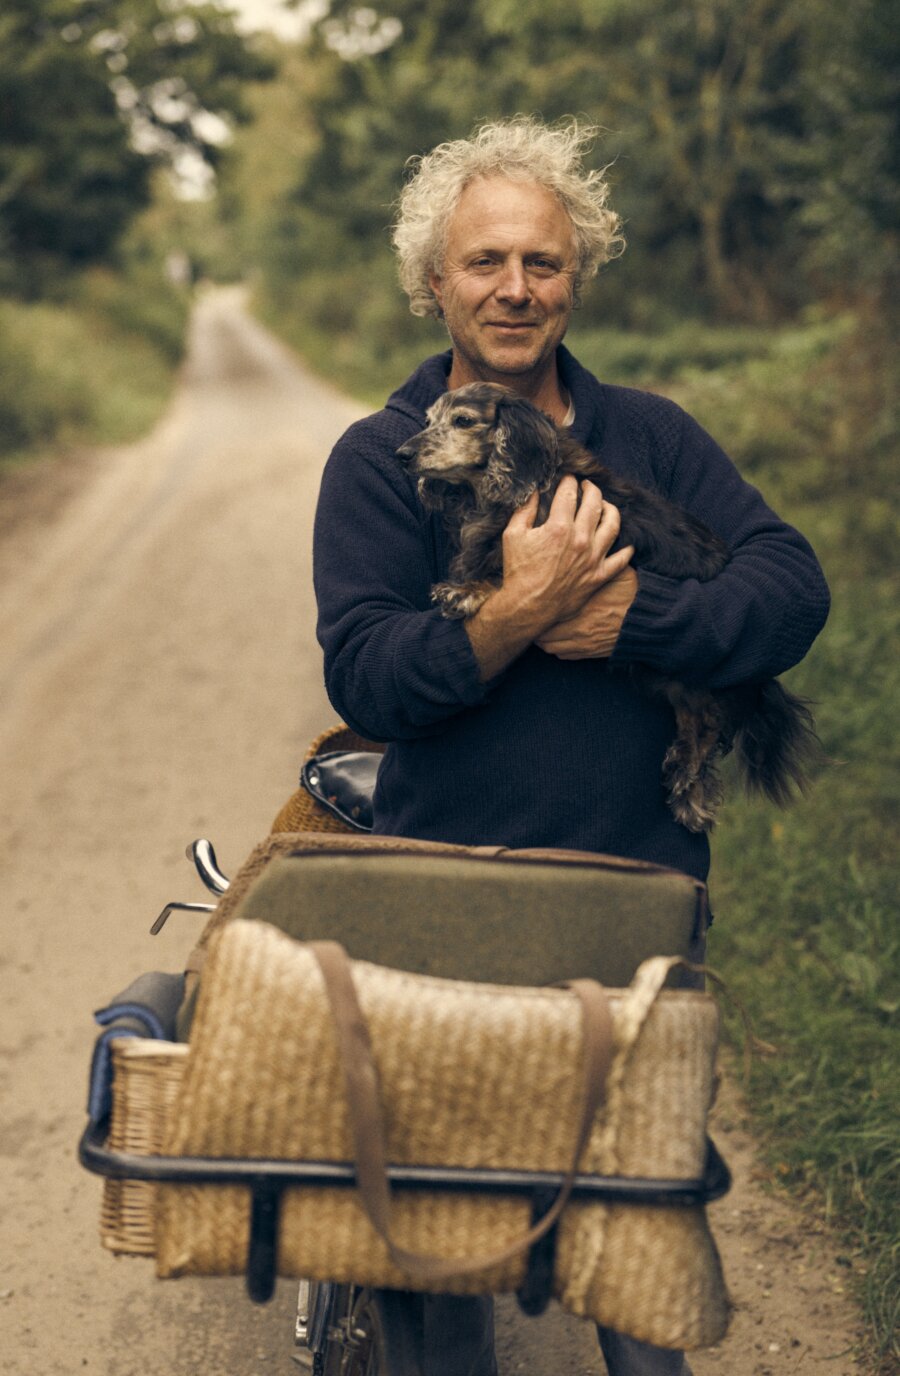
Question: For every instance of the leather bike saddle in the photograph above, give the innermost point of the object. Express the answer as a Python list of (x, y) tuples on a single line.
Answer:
[(343, 781)]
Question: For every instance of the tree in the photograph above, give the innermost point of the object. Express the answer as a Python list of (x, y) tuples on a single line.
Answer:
[(702, 95), (93, 95), (698, 96), (380, 86), (847, 178), (752, 142)]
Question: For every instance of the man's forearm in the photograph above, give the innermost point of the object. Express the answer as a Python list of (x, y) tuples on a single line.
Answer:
[(593, 632), (499, 631)]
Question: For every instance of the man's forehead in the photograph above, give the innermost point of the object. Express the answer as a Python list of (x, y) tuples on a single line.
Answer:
[(499, 209)]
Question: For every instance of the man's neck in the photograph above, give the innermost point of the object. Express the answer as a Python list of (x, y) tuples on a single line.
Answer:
[(545, 391)]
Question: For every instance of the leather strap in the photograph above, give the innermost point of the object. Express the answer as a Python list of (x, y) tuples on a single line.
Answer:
[(367, 1123)]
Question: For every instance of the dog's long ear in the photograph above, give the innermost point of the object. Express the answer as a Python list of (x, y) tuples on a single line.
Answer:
[(526, 451)]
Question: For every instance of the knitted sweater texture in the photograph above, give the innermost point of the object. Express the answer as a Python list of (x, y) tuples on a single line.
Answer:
[(551, 752)]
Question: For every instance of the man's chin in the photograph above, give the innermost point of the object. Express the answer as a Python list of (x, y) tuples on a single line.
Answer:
[(515, 359), (503, 361)]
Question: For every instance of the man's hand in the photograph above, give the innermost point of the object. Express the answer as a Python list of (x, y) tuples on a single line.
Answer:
[(549, 572), (593, 631)]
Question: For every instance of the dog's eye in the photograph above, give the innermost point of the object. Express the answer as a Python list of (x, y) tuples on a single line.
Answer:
[(463, 422)]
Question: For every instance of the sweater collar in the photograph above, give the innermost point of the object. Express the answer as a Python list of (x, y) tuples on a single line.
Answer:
[(429, 381), (423, 387)]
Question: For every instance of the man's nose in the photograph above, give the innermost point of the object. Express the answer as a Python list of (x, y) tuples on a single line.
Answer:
[(514, 285)]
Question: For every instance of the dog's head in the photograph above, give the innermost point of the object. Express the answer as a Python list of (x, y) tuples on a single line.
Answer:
[(483, 438)]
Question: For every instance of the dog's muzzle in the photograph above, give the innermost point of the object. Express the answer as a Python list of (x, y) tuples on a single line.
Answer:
[(409, 452)]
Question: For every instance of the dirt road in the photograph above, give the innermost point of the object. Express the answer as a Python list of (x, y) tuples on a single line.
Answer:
[(159, 682)]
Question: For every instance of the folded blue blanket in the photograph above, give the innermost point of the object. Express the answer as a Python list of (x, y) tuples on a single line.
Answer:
[(147, 1008)]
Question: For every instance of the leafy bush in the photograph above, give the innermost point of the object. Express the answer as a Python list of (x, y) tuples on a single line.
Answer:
[(368, 360), (658, 356), (96, 364), (139, 304), (37, 402)]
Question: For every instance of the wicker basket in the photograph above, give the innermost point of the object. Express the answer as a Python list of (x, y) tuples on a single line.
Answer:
[(471, 1075), (146, 1078)]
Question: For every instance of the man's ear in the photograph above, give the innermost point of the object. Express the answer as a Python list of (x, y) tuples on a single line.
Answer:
[(526, 442), (437, 286)]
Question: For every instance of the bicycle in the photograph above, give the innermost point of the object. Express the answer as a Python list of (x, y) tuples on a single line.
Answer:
[(353, 1330)]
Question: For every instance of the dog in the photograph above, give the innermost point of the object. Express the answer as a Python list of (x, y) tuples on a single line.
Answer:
[(481, 456)]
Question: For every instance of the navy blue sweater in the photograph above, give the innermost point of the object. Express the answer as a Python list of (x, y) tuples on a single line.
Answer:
[(550, 753)]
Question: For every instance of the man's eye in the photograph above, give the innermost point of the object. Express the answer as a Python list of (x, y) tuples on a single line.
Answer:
[(463, 422)]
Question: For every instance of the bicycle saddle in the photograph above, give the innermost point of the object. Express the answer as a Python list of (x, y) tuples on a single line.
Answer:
[(343, 781)]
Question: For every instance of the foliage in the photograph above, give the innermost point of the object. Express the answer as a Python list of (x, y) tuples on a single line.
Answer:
[(849, 180), (95, 364), (97, 97), (93, 94), (751, 144), (240, 228), (699, 94)]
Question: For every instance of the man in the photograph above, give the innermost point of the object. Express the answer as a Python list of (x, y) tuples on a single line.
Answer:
[(513, 727)]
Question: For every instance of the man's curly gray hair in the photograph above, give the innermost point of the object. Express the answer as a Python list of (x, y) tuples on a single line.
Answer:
[(524, 149)]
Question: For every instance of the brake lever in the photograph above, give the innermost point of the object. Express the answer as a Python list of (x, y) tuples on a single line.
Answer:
[(181, 908), (207, 866)]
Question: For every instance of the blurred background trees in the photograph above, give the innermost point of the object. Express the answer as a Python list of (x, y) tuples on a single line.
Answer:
[(110, 110), (752, 147), (753, 143), (93, 95)]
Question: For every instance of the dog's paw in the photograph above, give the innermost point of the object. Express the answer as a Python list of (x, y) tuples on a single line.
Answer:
[(459, 601)]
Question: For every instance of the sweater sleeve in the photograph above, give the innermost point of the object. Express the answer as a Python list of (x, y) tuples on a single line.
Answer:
[(395, 668), (759, 616)]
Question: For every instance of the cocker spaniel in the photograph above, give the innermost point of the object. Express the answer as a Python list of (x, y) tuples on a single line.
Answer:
[(481, 456)]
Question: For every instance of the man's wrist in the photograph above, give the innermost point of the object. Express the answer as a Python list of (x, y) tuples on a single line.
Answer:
[(500, 630)]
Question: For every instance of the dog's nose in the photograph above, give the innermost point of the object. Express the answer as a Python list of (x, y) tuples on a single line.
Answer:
[(409, 450)]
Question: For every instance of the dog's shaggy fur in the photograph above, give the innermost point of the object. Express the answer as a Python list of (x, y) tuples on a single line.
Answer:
[(482, 455)]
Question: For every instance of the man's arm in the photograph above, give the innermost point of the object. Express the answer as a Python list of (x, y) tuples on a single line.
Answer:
[(754, 620), (593, 632), (395, 667)]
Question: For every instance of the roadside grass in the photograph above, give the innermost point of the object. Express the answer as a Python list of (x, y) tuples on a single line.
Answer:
[(806, 931), (95, 365), (806, 937)]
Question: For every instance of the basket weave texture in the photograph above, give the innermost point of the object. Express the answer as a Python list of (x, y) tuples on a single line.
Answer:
[(470, 1075), (146, 1079)]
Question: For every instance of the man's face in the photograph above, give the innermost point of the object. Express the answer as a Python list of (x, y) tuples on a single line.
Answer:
[(507, 284)]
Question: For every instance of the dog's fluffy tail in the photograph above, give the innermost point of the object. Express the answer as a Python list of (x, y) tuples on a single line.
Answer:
[(776, 743)]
